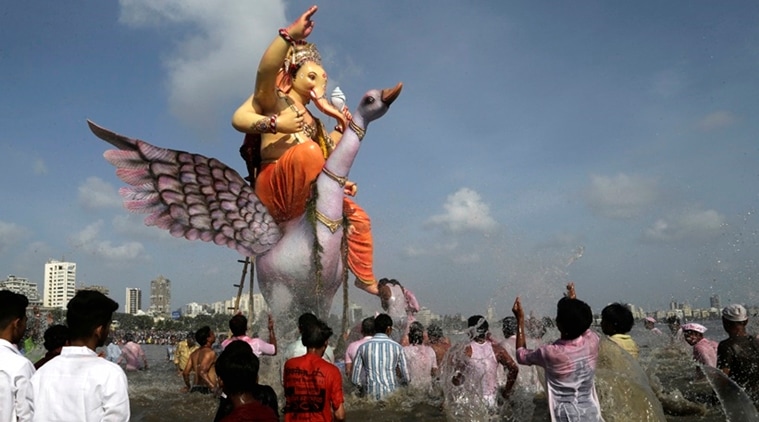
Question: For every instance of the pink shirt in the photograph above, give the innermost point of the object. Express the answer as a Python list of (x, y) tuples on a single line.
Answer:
[(705, 351), (134, 356), (259, 346), (484, 366), (350, 352), (420, 360), (570, 368)]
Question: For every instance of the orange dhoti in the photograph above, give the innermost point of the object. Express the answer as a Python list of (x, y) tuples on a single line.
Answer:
[(284, 187)]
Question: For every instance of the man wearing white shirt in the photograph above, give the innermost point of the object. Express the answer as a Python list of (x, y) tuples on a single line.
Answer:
[(15, 369), (79, 386), (297, 348)]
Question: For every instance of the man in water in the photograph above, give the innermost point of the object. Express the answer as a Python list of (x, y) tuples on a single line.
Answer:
[(297, 348), (438, 341), (184, 350), (246, 400), (238, 325), (132, 355), (483, 358), (15, 369), (421, 360), (616, 322), (738, 356), (401, 304), (570, 362), (367, 331), (313, 387), (202, 362), (704, 350), (78, 385), (379, 361), (649, 322), (528, 378), (56, 337)]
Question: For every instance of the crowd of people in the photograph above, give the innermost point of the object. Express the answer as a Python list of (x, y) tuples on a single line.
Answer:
[(82, 376)]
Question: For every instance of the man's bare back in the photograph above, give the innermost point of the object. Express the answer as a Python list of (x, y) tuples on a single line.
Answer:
[(202, 363)]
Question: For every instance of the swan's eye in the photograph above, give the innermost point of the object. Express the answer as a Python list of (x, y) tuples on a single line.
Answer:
[(369, 100)]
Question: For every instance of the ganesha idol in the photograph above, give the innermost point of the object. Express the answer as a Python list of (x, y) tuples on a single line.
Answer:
[(296, 219)]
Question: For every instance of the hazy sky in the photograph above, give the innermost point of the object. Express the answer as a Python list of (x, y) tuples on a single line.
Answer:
[(609, 143)]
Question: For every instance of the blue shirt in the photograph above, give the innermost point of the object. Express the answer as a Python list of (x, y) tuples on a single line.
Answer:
[(378, 360)]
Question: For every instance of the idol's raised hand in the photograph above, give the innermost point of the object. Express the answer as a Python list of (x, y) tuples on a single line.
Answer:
[(301, 28)]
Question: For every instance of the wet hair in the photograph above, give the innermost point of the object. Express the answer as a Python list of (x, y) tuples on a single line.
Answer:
[(535, 327), (478, 326), (306, 319), (316, 335), (238, 324), (434, 332), (88, 310), (128, 337), (509, 326), (547, 323), (573, 317), (382, 322), (673, 319), (201, 336), (619, 317), (416, 333), (12, 306), (190, 335), (237, 366), (367, 326), (56, 336)]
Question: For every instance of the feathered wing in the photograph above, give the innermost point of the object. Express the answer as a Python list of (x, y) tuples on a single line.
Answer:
[(190, 195)]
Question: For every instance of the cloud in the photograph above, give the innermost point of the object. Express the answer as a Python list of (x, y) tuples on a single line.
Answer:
[(464, 211), (716, 120), (10, 235), (88, 241), (691, 225), (217, 61), (95, 193), (621, 196), (39, 167)]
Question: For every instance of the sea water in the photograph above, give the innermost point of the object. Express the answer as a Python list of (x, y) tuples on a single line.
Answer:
[(629, 390)]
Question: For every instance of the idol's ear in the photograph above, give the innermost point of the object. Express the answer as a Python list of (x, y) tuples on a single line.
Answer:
[(284, 81)]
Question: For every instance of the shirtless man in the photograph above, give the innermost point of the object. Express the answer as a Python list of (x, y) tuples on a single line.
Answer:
[(285, 146), (202, 362)]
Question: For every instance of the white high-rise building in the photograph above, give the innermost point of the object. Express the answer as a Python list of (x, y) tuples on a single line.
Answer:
[(60, 283), (133, 302), (22, 286)]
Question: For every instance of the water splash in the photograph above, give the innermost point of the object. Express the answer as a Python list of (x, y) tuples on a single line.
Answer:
[(735, 402)]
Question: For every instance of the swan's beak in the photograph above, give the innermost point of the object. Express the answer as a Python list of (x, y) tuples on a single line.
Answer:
[(390, 94)]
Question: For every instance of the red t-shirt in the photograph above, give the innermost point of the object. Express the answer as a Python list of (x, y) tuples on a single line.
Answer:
[(252, 412), (313, 389)]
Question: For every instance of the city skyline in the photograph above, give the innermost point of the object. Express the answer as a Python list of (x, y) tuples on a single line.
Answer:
[(133, 302)]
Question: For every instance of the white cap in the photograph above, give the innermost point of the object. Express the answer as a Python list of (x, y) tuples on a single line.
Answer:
[(735, 313)]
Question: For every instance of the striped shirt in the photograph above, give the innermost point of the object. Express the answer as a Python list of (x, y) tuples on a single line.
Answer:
[(378, 360)]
